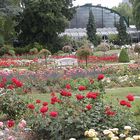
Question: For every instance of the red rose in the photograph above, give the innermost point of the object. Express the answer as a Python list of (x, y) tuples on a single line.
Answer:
[(109, 112), (10, 123), (10, 87), (17, 82), (45, 103), (54, 114), (89, 107), (128, 104), (44, 109), (130, 97), (92, 95), (81, 88), (38, 101), (123, 102), (31, 106), (65, 93), (80, 97), (68, 86), (100, 77)]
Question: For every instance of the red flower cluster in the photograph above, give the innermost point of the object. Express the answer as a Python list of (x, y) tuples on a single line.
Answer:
[(80, 97), (88, 107), (3, 82), (81, 88), (92, 95), (130, 98), (109, 112), (31, 106), (43, 109), (10, 123), (100, 77), (45, 103), (38, 101), (125, 103), (55, 100), (53, 114), (65, 93), (68, 86), (17, 82)]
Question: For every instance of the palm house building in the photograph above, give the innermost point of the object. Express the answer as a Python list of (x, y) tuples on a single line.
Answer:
[(105, 19)]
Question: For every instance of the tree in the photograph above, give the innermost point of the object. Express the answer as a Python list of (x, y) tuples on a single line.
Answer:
[(125, 10), (42, 21), (83, 53), (136, 13), (8, 9), (91, 29), (122, 34)]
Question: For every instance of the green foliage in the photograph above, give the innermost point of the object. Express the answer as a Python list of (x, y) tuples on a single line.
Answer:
[(124, 56), (137, 49), (136, 13), (122, 32), (5, 49), (126, 11), (12, 105), (42, 21), (114, 38), (1, 41), (91, 29), (11, 52)]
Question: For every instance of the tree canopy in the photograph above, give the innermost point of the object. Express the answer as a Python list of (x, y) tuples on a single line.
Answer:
[(125, 10), (42, 20), (136, 12)]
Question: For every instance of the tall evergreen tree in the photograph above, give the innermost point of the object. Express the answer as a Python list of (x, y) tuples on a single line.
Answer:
[(91, 29), (136, 12), (122, 32)]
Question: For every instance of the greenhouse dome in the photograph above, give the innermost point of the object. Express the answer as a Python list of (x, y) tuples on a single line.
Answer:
[(104, 17)]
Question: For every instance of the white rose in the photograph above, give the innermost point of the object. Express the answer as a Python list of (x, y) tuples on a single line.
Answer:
[(136, 137), (127, 128), (106, 132)]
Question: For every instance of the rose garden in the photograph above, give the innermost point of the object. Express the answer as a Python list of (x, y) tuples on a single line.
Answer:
[(56, 87)]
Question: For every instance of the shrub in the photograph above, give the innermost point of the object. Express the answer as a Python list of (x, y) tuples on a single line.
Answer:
[(44, 52), (1, 41), (33, 51), (137, 49), (103, 47), (5, 49), (113, 38), (12, 105), (124, 56), (11, 52), (83, 53)]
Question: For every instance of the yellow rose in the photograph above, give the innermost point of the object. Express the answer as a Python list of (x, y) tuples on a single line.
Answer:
[(128, 138), (115, 138), (91, 134), (111, 135), (136, 137), (127, 128), (95, 139), (107, 132), (86, 133)]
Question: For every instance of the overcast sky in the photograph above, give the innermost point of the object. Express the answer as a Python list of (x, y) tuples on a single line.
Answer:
[(106, 3)]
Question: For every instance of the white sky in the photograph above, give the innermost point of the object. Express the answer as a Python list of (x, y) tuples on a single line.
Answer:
[(105, 3)]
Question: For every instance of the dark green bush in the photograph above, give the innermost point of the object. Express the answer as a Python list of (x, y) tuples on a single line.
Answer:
[(12, 105), (5, 49), (124, 56)]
